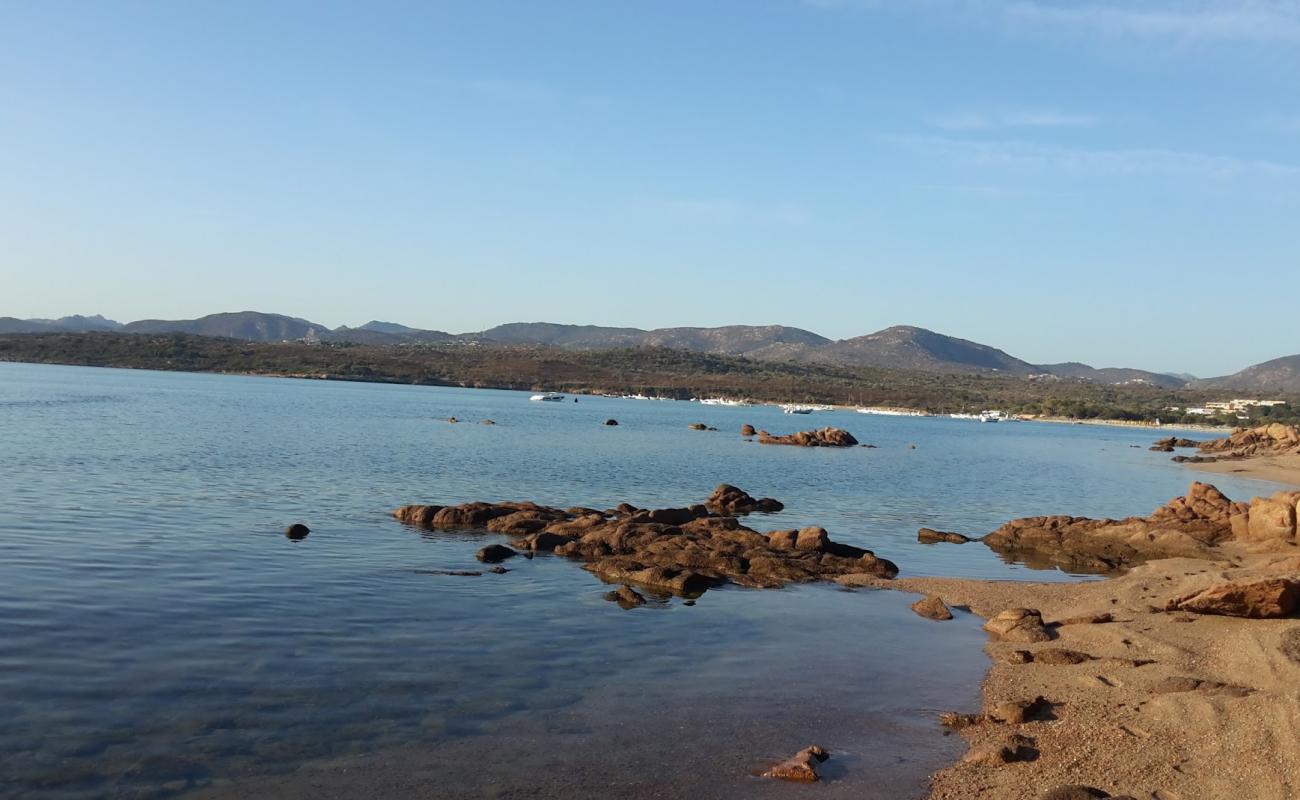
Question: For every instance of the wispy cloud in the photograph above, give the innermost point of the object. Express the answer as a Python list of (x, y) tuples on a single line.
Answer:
[(1133, 161), (1013, 119), (1177, 20)]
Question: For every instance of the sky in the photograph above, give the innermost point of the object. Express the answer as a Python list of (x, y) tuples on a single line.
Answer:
[(1109, 181)]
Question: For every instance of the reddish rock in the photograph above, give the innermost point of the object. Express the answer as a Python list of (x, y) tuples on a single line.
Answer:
[(931, 536), (626, 597), (727, 499), (1056, 657), (826, 437), (1018, 625), (801, 767), (747, 430), (1269, 598), (932, 607), (494, 554)]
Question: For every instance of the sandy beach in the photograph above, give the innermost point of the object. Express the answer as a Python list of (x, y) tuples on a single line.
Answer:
[(1122, 720), (1282, 468)]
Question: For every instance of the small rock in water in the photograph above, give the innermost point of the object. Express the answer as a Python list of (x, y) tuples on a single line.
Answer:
[(626, 597), (452, 419), (698, 426), (801, 767), (494, 554), (498, 570), (489, 422), (931, 536), (747, 430), (611, 422), (932, 607), (297, 531)]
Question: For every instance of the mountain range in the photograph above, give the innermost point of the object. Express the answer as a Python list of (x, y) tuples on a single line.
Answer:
[(898, 347)]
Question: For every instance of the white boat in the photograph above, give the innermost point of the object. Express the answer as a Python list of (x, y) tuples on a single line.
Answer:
[(798, 409), (547, 397), (989, 417), (964, 416)]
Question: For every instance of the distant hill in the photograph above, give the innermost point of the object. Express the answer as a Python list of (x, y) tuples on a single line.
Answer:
[(908, 347), (899, 347), (1281, 375), (726, 340), (1112, 375), (74, 323), (253, 326), (380, 333)]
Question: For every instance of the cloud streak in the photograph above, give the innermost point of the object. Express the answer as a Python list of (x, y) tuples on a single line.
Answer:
[(1183, 21), (1123, 162), (1013, 119)]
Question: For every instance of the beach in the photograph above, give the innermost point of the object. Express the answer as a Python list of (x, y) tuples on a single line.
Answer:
[(1111, 721), (1282, 468)]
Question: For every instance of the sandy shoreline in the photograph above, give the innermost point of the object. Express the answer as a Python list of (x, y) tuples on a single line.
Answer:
[(1282, 468), (1107, 727)]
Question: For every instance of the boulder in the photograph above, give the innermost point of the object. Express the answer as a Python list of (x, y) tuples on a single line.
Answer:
[(1272, 518), (1018, 625), (1269, 598), (801, 767), (747, 430), (698, 426), (494, 554), (610, 422), (826, 437), (297, 531), (1016, 712), (931, 536), (932, 607)]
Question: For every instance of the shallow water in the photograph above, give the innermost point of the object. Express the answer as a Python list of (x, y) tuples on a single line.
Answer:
[(160, 636)]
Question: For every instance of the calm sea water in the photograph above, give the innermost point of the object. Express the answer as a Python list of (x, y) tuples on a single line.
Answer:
[(159, 636)]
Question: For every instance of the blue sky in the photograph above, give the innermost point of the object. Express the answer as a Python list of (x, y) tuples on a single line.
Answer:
[(1113, 182)]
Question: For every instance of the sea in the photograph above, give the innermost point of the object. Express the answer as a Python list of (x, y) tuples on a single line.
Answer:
[(160, 636)]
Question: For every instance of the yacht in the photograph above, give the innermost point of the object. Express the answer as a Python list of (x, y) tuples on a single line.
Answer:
[(547, 397)]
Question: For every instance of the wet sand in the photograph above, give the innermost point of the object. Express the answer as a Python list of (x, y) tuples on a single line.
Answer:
[(1283, 468), (1106, 728)]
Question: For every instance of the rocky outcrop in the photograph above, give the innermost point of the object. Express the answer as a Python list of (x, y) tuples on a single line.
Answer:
[(801, 767), (1189, 526), (826, 437), (1167, 445), (682, 551), (727, 499), (747, 430), (1259, 441), (494, 554), (297, 531), (1269, 598), (626, 597), (931, 536)]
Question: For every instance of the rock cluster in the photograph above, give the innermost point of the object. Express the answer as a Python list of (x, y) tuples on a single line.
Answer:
[(826, 437), (1259, 441), (1187, 526), (682, 551), (727, 499)]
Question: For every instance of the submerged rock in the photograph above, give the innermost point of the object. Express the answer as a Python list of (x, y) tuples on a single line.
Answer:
[(297, 531), (931, 536), (494, 554), (826, 437), (801, 767), (626, 596)]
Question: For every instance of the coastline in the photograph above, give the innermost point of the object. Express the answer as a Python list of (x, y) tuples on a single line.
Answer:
[(1282, 468), (1125, 423), (1117, 721)]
